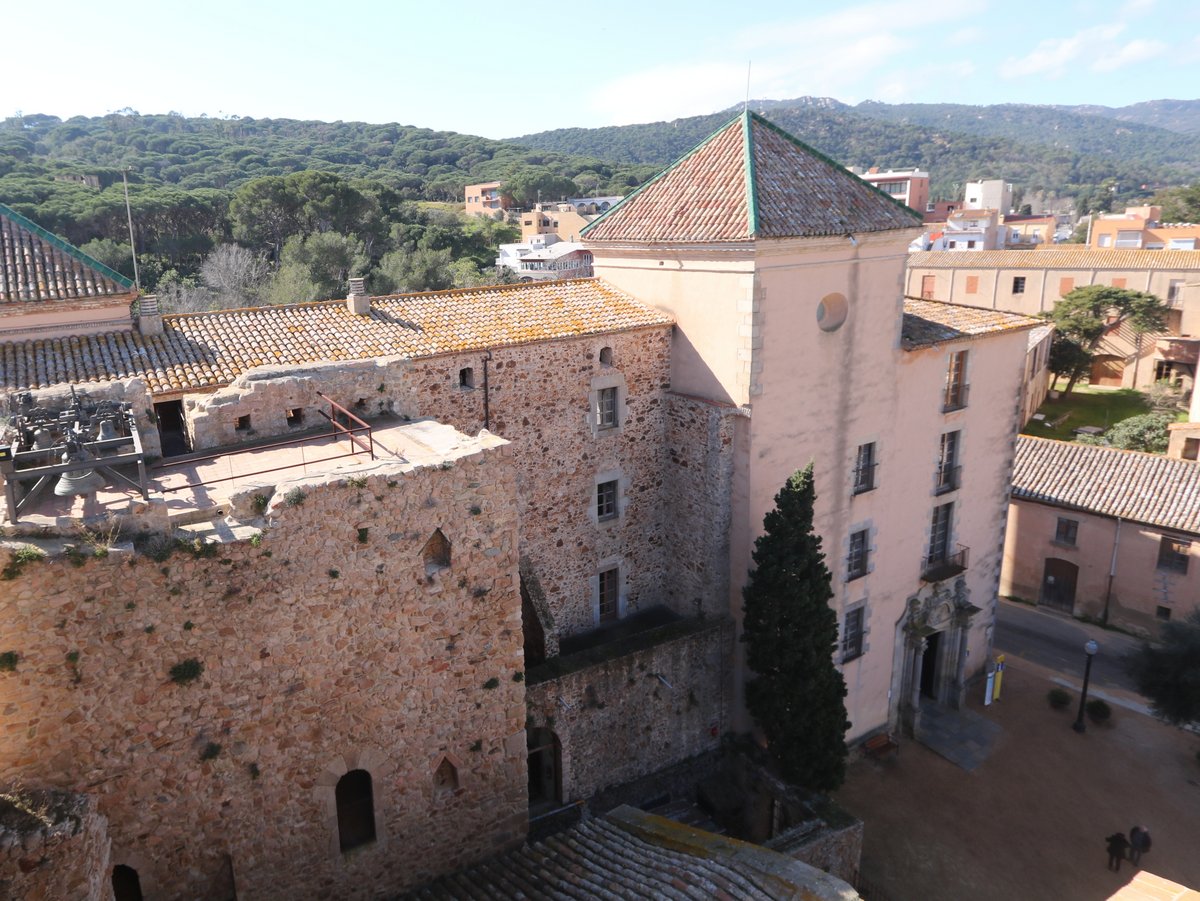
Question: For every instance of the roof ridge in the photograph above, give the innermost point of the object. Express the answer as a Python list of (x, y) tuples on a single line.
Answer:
[(65, 246), (1105, 448)]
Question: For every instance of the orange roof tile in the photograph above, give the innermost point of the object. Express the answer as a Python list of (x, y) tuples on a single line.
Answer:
[(1057, 258), (36, 265), (749, 180), (201, 351), (929, 322)]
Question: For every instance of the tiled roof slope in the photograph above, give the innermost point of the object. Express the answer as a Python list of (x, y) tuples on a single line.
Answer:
[(36, 265), (631, 854), (1055, 258), (207, 350), (1147, 488), (749, 180), (929, 322)]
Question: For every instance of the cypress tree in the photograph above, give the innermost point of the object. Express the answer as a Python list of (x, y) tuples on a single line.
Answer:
[(791, 634)]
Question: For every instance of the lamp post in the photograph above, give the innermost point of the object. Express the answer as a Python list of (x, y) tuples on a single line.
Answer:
[(1090, 649)]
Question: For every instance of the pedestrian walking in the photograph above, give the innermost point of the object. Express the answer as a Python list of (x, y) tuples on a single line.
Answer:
[(1117, 843), (1139, 843)]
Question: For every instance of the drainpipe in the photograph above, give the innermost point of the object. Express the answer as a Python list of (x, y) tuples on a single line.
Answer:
[(487, 420), (1112, 572)]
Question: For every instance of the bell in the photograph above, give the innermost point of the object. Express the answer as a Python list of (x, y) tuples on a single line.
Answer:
[(107, 431), (42, 439), (82, 481)]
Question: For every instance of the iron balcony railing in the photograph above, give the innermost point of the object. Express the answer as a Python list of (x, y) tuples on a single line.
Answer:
[(955, 398), (941, 565), (948, 479), (864, 478)]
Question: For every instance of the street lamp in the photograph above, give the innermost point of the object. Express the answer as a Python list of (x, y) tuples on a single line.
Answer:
[(1090, 649)]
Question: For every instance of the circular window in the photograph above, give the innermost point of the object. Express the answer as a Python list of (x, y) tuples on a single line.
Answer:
[(831, 312)]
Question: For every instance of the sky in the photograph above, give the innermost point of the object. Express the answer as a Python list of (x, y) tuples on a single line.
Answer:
[(503, 69)]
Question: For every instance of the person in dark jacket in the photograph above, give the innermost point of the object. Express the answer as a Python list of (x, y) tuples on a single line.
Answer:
[(1139, 843), (1117, 843)]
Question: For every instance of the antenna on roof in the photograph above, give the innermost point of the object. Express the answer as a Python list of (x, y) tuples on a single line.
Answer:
[(746, 105)]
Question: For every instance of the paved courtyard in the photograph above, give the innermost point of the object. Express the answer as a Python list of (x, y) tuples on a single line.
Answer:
[(1029, 821)]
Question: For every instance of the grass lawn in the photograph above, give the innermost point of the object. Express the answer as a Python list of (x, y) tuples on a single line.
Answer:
[(1101, 407)]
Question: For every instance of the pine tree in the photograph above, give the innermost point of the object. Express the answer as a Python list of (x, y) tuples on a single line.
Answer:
[(791, 634)]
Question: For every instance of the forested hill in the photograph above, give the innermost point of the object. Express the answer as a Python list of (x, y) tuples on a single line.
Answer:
[(1037, 148), (199, 153), (1173, 115)]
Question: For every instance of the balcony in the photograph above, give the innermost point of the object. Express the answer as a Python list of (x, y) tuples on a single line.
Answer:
[(941, 565), (955, 398), (948, 479), (864, 478), (1179, 350)]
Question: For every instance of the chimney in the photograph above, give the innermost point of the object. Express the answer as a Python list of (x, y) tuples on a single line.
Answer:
[(359, 302), (149, 316)]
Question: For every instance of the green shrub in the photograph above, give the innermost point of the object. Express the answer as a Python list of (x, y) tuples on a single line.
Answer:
[(363, 535), (8, 661), (186, 671), (211, 751), (1059, 698), (492, 683), (295, 497), (259, 503), (1098, 711)]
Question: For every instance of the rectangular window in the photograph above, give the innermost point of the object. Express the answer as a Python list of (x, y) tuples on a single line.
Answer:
[(856, 561), (610, 594), (295, 417), (948, 469), (1065, 286), (1067, 531), (1181, 244), (1163, 613), (242, 424), (606, 500), (1018, 284), (606, 408), (864, 468), (1118, 283), (1173, 554), (466, 377), (1129, 240), (1175, 290), (928, 285), (852, 634), (939, 534), (1104, 241), (956, 383), (972, 284), (970, 245)]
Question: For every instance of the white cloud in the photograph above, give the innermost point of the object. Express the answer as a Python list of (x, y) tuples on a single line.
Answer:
[(1135, 51), (1052, 57)]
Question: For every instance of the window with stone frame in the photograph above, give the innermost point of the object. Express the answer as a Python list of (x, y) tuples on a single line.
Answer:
[(606, 408), (852, 634), (609, 592), (856, 559), (955, 396), (606, 500), (1173, 554), (948, 468), (1066, 531)]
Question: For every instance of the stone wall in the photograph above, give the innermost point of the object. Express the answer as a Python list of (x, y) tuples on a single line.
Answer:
[(699, 480), (540, 397), (53, 845), (636, 713), (328, 644)]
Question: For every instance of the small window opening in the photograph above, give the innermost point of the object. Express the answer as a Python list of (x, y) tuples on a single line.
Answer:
[(606, 408), (606, 356), (466, 377), (1163, 613), (126, 884), (610, 595), (360, 404), (295, 416), (606, 500), (355, 810), (242, 424), (436, 553), (445, 777)]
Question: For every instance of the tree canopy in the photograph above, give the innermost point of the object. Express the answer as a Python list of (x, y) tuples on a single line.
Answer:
[(791, 632), (1168, 672)]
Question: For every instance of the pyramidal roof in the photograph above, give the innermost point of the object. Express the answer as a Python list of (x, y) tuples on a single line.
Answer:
[(36, 265), (750, 180)]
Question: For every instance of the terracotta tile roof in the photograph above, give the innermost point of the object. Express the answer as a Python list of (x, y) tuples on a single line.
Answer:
[(632, 854), (1147, 488), (749, 180), (36, 265), (929, 322), (1056, 258), (206, 350)]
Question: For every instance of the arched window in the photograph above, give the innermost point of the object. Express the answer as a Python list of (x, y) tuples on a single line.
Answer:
[(125, 883), (355, 810), (606, 356), (436, 553), (445, 777), (545, 768)]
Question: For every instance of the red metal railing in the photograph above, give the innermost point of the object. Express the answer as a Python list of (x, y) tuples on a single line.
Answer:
[(337, 413)]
